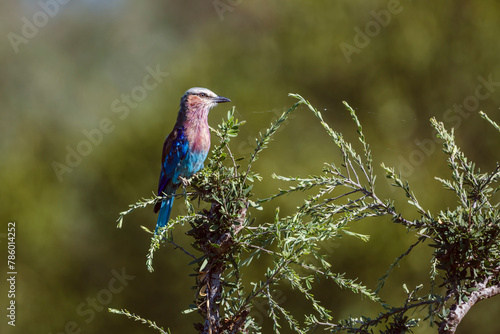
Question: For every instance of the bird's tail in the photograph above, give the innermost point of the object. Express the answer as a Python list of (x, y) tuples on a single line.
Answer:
[(164, 214)]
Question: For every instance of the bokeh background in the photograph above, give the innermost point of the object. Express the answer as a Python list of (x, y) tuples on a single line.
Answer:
[(71, 67)]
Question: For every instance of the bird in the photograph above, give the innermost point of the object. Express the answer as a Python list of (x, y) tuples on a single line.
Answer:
[(186, 147)]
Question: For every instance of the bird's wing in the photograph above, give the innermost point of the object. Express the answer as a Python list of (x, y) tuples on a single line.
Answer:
[(174, 151)]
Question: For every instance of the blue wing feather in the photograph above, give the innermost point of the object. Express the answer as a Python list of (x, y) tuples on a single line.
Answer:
[(175, 150)]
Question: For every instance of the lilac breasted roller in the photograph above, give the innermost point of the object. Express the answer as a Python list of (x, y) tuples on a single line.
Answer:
[(186, 147)]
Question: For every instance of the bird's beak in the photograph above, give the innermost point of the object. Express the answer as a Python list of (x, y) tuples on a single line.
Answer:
[(220, 99)]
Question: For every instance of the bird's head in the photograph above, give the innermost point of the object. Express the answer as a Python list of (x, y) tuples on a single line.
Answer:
[(201, 100)]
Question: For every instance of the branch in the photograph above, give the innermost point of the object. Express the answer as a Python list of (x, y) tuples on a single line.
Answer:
[(458, 312), (212, 280)]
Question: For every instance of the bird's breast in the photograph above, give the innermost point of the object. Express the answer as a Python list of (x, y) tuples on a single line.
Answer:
[(199, 138)]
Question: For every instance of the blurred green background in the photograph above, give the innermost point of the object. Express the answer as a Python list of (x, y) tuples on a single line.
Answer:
[(71, 67)]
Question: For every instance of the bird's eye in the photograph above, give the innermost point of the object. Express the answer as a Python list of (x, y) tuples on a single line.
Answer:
[(202, 95)]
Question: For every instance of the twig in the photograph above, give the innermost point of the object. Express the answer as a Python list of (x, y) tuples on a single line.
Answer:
[(182, 249)]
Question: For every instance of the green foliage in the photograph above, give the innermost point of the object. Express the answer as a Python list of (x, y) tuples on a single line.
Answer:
[(135, 317), (465, 239)]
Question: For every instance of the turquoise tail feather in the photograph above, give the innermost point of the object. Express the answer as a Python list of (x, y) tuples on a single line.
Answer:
[(164, 214)]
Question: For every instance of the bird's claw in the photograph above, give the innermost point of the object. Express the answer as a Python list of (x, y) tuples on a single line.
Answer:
[(185, 182)]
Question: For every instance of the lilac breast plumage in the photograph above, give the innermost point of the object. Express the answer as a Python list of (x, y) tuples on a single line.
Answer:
[(198, 138)]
